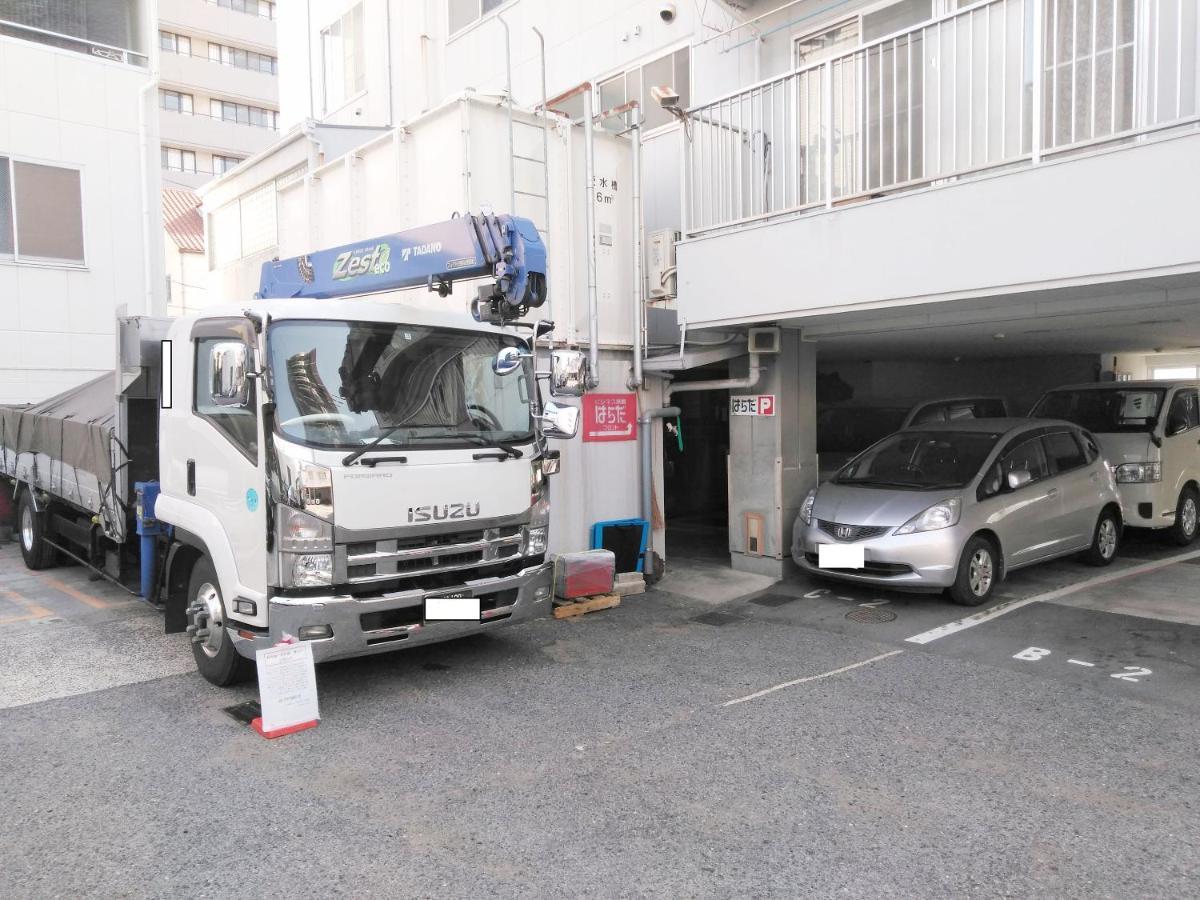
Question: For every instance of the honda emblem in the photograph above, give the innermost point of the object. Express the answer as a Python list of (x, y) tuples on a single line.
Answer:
[(845, 532)]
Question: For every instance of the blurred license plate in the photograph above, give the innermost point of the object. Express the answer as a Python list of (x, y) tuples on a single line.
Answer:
[(452, 609), (839, 556)]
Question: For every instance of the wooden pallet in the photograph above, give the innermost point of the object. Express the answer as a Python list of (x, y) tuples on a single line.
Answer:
[(566, 609)]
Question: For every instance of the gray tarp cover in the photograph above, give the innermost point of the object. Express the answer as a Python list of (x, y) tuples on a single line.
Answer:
[(72, 427)]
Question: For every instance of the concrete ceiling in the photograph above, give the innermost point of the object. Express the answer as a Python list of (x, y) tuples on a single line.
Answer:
[(1139, 316)]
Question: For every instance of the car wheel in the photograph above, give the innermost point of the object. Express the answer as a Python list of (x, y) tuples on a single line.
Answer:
[(1183, 532), (216, 657), (1106, 540), (32, 528), (978, 572)]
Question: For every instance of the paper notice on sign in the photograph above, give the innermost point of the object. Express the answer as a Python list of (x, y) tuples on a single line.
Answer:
[(287, 686)]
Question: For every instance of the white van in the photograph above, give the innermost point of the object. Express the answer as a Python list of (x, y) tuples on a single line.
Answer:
[(1149, 431)]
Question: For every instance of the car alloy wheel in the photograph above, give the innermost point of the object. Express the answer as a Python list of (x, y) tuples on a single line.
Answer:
[(1106, 540), (980, 573)]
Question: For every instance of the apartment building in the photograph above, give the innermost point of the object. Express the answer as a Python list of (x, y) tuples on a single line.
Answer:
[(922, 194), (80, 226), (218, 90)]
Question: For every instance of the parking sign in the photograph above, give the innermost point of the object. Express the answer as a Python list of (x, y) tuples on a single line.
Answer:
[(757, 405), (609, 417)]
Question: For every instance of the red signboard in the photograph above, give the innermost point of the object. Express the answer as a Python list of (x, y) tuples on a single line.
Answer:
[(609, 417)]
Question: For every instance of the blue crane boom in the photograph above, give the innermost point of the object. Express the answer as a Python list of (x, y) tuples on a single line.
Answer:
[(506, 248)]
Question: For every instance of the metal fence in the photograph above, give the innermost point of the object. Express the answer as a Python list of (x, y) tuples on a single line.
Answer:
[(1001, 82)]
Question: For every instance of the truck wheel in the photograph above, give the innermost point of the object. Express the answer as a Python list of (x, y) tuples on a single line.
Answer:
[(1183, 532), (978, 572), (32, 524), (216, 657), (1105, 540)]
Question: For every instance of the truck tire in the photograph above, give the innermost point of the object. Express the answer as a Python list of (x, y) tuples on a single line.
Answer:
[(216, 657), (1187, 513), (31, 525), (978, 573)]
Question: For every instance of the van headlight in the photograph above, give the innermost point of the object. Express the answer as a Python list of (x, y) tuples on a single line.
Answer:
[(1138, 472), (941, 515), (806, 507), (305, 549)]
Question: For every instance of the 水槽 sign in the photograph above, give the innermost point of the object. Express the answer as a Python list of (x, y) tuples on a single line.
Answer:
[(757, 405), (609, 417)]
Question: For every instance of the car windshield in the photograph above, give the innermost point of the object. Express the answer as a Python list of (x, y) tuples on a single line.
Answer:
[(920, 459), (343, 384), (848, 429), (1104, 410)]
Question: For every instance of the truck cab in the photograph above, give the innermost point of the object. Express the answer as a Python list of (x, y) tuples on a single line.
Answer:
[(1149, 431)]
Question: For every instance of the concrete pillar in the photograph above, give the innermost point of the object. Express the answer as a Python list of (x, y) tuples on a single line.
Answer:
[(773, 459)]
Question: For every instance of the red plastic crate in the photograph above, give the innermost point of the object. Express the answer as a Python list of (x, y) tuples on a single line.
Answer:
[(584, 574)]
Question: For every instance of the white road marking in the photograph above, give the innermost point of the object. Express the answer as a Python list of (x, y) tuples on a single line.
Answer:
[(1080, 662), (788, 684), (1008, 606)]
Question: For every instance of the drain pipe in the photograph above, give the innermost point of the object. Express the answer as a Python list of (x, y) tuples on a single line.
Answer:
[(647, 439), (749, 381), (512, 159), (589, 159), (639, 307)]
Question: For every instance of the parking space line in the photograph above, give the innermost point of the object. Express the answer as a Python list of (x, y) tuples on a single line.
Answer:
[(788, 684), (1008, 606), (81, 596), (34, 611)]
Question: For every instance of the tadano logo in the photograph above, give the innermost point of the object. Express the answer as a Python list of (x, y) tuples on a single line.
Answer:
[(375, 260), (420, 250)]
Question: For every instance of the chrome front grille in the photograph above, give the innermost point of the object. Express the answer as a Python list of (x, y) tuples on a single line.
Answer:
[(842, 532), (365, 562)]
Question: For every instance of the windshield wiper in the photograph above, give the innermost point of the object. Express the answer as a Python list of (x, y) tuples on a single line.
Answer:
[(473, 438), (349, 458)]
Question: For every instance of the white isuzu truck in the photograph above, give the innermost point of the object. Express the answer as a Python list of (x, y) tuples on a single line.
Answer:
[(322, 462)]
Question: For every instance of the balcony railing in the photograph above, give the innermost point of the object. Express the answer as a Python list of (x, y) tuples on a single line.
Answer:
[(998, 83), (73, 43)]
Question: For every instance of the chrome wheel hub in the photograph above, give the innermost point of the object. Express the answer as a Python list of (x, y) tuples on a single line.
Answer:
[(206, 620), (979, 572), (27, 528), (1106, 540)]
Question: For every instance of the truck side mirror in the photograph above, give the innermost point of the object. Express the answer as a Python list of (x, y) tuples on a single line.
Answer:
[(568, 373), (508, 360), (560, 421), (230, 385)]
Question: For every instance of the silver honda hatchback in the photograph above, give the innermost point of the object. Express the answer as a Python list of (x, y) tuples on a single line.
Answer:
[(957, 506)]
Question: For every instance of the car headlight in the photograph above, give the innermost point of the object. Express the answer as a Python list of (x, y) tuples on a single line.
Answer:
[(806, 507), (305, 545), (1138, 472), (941, 515)]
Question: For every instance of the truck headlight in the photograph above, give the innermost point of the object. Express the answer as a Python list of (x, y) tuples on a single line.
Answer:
[(940, 515), (806, 507), (1138, 472), (305, 545)]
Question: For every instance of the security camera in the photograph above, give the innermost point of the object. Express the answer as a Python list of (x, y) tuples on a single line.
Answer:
[(665, 96), (666, 12)]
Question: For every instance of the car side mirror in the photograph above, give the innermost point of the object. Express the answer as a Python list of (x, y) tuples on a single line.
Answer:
[(559, 421), (568, 373), (230, 386), (1018, 478)]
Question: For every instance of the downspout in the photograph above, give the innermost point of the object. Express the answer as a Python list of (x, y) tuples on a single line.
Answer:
[(149, 29), (749, 381), (639, 303), (312, 76), (512, 160), (387, 12), (589, 177), (545, 151), (647, 439)]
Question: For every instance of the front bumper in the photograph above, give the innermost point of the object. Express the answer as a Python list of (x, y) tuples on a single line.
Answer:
[(393, 621), (916, 562), (1148, 505)]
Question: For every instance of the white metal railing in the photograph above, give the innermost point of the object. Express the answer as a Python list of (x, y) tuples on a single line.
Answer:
[(71, 42), (997, 83)]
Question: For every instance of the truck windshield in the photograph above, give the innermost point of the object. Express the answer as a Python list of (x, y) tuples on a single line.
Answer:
[(343, 384), (1104, 410), (920, 460)]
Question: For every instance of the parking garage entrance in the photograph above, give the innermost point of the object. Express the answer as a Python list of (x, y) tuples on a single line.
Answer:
[(696, 470)]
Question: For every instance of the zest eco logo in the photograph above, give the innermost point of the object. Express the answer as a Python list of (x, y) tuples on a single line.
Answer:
[(375, 260)]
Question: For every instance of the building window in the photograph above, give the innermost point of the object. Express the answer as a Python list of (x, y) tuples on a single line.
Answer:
[(264, 9), (462, 13), (243, 59), (343, 60), (175, 101), (245, 226), (32, 229), (174, 43), (176, 160), (1175, 373), (222, 164), (104, 28), (670, 70), (242, 114)]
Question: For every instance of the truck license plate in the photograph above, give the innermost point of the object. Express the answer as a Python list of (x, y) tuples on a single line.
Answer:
[(839, 556), (452, 608)]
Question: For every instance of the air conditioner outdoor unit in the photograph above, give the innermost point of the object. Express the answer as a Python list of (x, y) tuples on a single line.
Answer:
[(660, 260)]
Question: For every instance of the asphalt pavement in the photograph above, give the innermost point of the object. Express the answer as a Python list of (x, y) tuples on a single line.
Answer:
[(789, 742)]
